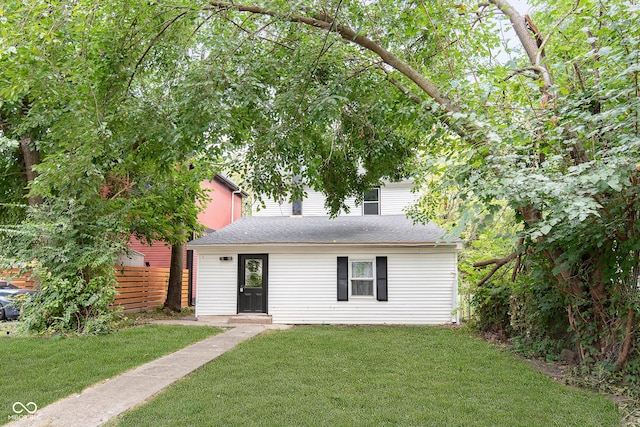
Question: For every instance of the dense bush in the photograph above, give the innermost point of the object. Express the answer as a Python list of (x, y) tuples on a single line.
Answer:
[(70, 249), (63, 305), (491, 303), (538, 320)]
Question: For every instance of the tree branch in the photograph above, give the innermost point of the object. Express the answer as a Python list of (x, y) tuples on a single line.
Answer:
[(628, 341), (499, 262), (252, 34), (325, 47), (324, 22), (31, 158), (539, 70), (460, 131), (153, 42), (364, 69), (526, 40)]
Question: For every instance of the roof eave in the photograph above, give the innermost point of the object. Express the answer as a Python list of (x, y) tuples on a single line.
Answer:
[(230, 184), (456, 245)]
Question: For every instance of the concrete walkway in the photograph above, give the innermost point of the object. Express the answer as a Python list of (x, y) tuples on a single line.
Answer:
[(98, 404)]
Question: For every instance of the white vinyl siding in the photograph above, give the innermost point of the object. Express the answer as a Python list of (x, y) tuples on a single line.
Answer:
[(216, 293), (422, 285), (394, 198), (312, 205), (272, 208)]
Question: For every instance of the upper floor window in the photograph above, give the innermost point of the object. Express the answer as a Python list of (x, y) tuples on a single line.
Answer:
[(371, 204), (296, 207)]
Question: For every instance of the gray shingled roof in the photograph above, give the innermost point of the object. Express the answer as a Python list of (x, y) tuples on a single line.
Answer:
[(368, 229)]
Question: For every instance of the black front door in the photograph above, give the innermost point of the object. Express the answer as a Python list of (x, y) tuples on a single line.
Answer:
[(252, 283)]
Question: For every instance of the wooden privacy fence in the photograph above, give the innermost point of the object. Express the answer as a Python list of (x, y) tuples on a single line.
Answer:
[(139, 288), (24, 281), (145, 288)]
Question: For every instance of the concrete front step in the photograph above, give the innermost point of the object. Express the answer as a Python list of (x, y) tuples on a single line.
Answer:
[(256, 319)]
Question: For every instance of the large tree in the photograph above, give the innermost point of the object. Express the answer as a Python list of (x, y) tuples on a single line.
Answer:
[(90, 144), (552, 129)]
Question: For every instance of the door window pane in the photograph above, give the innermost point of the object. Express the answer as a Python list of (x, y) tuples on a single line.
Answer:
[(253, 273)]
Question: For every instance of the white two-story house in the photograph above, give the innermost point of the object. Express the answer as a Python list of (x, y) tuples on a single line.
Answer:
[(294, 263)]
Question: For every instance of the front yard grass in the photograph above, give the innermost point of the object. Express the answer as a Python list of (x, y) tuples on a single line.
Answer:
[(371, 376), (44, 370)]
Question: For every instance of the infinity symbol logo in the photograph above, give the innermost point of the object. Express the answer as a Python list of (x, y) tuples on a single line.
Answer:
[(21, 407)]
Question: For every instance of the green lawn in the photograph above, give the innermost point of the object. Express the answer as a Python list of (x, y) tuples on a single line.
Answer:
[(44, 370), (370, 376)]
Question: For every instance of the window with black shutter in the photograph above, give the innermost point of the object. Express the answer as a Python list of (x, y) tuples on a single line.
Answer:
[(362, 278)]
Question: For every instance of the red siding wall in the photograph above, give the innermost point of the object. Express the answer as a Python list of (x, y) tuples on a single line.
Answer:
[(158, 255), (218, 212)]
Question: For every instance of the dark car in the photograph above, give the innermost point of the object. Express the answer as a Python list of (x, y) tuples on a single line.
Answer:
[(8, 291), (8, 311)]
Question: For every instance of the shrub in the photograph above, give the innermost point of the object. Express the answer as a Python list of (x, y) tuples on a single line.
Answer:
[(70, 248), (538, 319), (62, 305), (491, 308)]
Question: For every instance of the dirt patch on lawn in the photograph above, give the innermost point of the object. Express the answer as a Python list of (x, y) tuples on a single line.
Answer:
[(558, 371), (8, 328)]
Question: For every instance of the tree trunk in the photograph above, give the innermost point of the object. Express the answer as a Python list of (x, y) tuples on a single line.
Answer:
[(174, 290), (628, 341), (31, 157)]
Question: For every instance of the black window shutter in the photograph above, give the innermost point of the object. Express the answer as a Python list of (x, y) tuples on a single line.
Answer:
[(381, 278), (343, 278)]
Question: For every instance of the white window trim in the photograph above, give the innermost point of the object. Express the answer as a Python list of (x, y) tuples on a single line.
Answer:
[(379, 202), (373, 280)]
